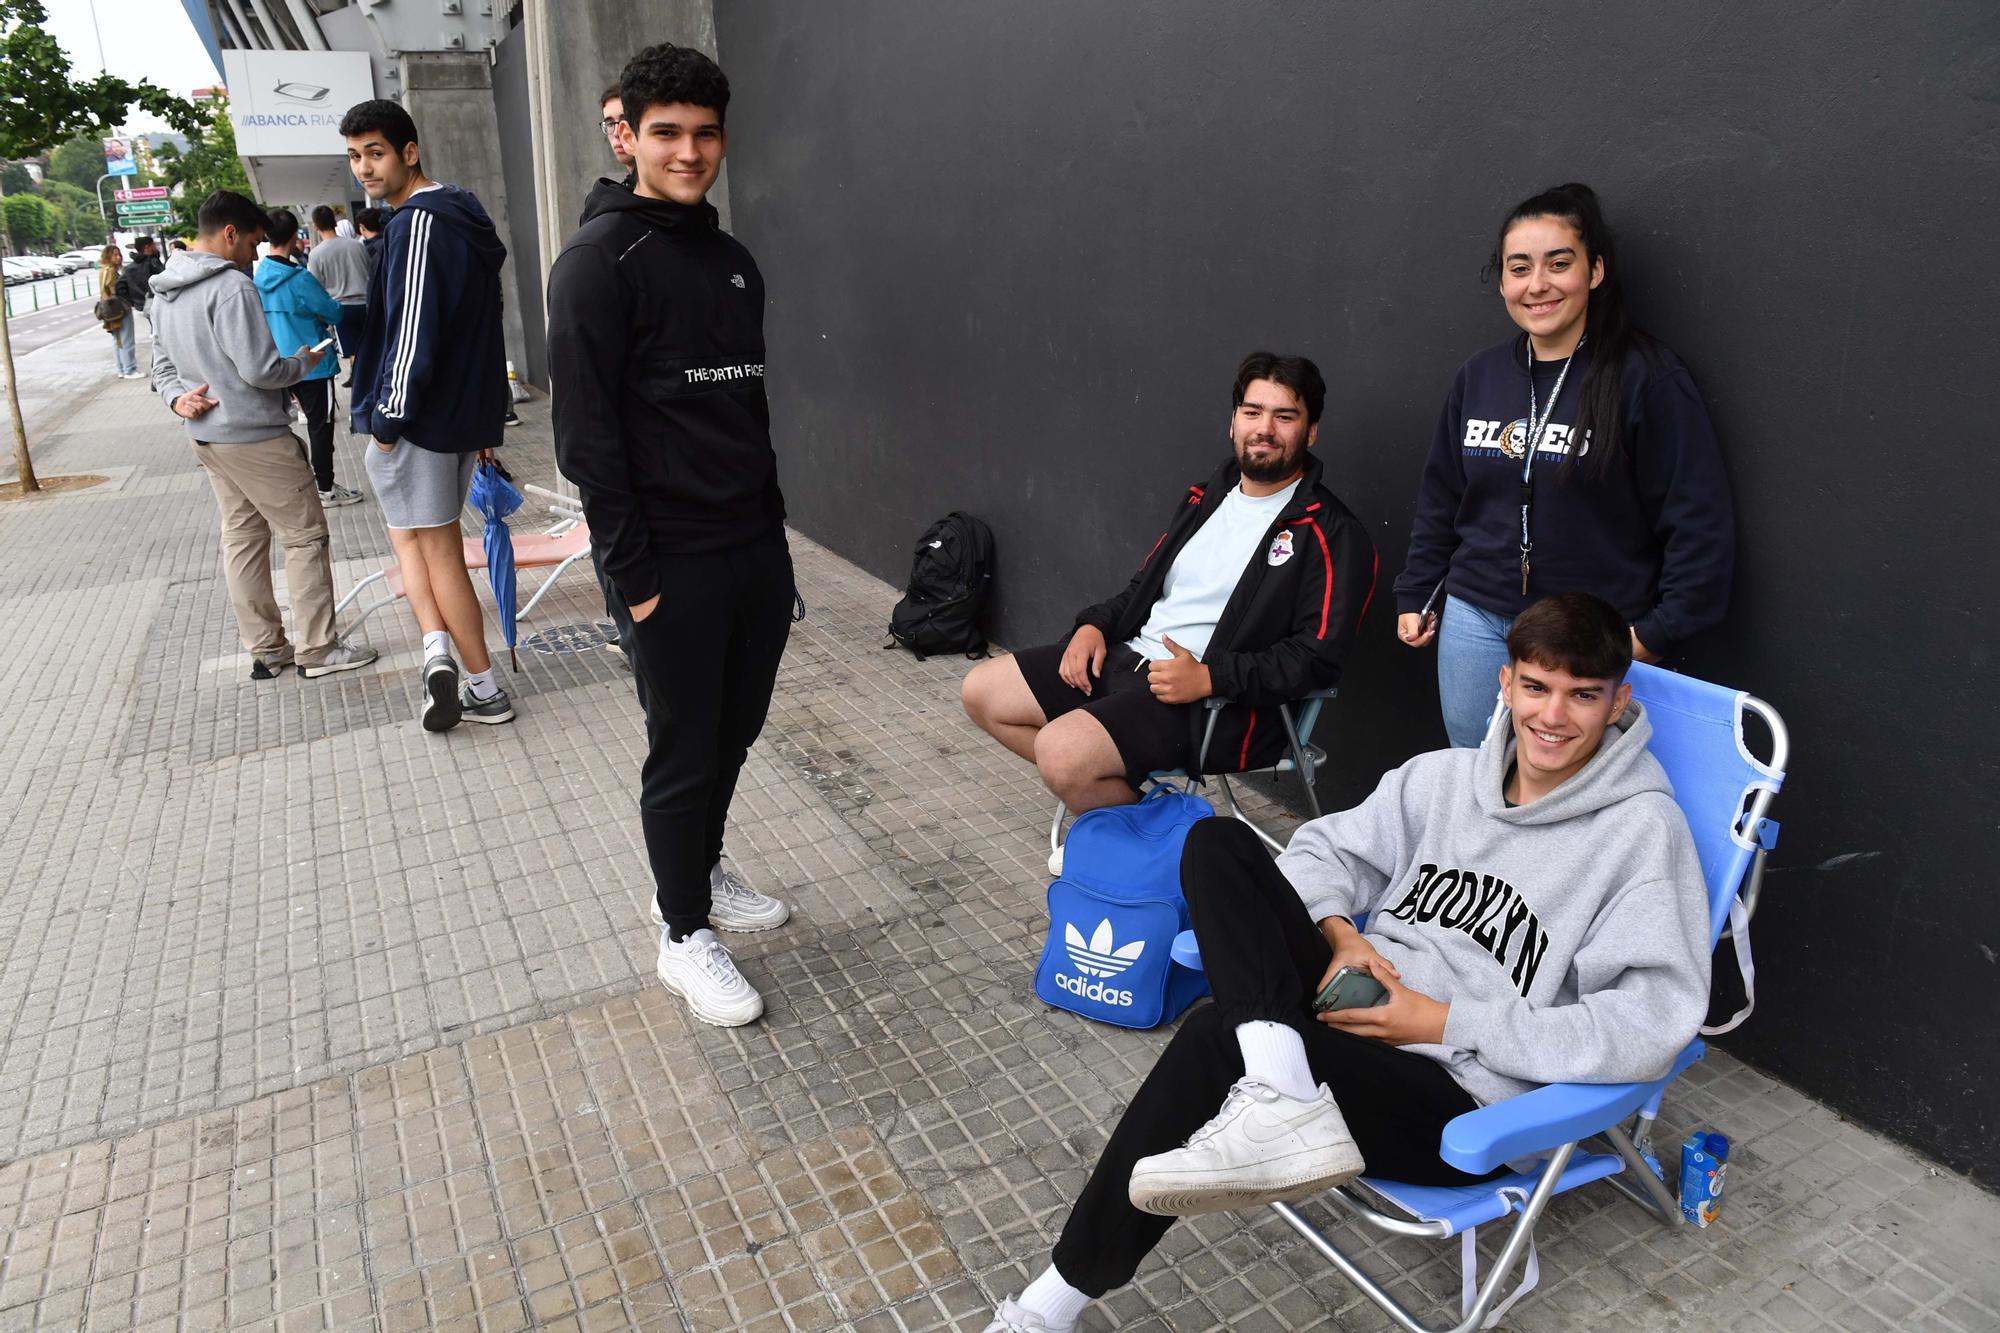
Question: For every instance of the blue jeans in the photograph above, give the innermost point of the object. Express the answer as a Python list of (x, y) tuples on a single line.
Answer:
[(126, 340), (1472, 647)]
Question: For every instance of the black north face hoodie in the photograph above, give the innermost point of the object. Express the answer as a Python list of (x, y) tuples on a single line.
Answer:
[(656, 357)]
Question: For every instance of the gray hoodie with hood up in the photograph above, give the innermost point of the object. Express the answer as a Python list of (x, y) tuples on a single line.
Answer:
[(209, 328), (1570, 935)]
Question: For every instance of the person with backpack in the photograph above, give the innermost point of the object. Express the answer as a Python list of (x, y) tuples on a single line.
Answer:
[(1254, 592), (1575, 455), (115, 313), (302, 313), (656, 357)]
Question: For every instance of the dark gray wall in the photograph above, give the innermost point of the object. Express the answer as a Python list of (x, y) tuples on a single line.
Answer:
[(1014, 252), (511, 107)]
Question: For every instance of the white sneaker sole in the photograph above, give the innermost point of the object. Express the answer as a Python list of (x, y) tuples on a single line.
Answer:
[(1179, 1194), (741, 925), (489, 719), (749, 1013), (328, 668)]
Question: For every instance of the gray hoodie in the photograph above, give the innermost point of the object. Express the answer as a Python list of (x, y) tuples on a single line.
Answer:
[(1570, 935), (209, 328)]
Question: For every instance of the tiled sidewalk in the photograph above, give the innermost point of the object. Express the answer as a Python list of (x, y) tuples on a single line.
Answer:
[(309, 1019)]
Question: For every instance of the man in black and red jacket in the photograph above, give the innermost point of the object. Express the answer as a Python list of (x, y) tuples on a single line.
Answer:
[(1253, 593)]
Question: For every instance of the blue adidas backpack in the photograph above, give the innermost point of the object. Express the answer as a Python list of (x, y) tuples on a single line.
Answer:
[(1114, 912)]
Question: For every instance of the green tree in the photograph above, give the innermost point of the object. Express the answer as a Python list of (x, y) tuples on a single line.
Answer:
[(15, 179), (43, 104), (209, 164), (79, 162), (31, 221)]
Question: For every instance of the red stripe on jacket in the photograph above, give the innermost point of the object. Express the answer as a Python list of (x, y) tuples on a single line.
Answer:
[(1325, 592), (1243, 760)]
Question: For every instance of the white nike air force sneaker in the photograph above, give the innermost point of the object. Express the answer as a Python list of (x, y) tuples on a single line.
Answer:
[(1261, 1147)]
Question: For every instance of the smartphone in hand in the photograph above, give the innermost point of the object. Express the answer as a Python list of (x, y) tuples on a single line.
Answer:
[(1350, 988), (321, 345)]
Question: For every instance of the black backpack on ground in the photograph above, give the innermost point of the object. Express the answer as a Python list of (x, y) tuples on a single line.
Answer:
[(950, 580)]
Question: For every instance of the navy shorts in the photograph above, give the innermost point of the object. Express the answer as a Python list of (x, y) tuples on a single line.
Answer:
[(1150, 736)]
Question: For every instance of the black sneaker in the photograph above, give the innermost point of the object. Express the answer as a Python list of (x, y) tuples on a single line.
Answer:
[(491, 711), (441, 703)]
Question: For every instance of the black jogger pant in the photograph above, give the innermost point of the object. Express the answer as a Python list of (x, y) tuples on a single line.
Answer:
[(704, 661), (315, 399), (1264, 958)]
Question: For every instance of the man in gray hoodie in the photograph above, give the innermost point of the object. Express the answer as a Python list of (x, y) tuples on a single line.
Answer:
[(1537, 914), (216, 367)]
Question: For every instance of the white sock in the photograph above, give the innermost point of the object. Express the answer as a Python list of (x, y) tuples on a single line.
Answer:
[(1276, 1054), (482, 683), (437, 643), (1056, 1301)]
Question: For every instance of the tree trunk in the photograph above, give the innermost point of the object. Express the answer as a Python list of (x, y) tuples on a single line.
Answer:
[(21, 459)]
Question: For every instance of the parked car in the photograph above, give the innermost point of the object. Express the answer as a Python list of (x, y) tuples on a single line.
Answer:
[(77, 259), (50, 266), (17, 271)]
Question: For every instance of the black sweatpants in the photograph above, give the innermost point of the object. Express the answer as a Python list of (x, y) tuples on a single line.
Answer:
[(315, 399), (1265, 959), (704, 663)]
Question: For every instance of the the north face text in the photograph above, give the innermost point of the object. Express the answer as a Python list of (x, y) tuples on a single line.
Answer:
[(1487, 908), (704, 374)]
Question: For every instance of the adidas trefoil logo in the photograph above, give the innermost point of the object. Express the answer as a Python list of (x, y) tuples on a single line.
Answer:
[(1100, 955)]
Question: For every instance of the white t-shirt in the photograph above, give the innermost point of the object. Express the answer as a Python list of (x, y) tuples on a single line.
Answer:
[(1207, 570)]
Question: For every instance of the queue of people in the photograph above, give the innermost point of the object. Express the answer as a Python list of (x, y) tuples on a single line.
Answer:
[(1534, 907)]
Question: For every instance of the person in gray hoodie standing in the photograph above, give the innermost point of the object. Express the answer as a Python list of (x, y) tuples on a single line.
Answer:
[(1537, 914), (216, 366)]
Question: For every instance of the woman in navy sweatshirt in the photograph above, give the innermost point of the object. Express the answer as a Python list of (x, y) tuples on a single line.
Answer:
[(1574, 456)]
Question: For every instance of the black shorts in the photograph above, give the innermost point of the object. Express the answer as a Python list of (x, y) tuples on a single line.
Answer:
[(1150, 736)]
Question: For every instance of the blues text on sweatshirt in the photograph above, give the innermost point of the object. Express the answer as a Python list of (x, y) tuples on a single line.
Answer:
[(1570, 936), (1655, 536)]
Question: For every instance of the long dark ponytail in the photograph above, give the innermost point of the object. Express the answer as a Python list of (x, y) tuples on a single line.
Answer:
[(1600, 416)]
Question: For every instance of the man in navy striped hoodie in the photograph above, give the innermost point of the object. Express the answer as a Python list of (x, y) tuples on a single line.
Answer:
[(430, 388)]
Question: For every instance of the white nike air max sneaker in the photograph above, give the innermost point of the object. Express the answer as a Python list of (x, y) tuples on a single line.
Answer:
[(733, 905), (700, 971), (1261, 1147)]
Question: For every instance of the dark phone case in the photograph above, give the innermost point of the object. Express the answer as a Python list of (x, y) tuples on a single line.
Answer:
[(1346, 988)]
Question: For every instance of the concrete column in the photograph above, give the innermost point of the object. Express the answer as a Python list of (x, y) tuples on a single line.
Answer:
[(450, 96), (575, 49)]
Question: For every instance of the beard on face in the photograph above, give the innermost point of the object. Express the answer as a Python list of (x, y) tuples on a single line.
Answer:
[(1277, 467)]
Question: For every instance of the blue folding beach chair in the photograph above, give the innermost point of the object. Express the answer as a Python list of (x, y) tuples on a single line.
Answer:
[(1725, 792)]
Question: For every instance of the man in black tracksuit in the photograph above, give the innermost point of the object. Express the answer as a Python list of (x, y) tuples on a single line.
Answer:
[(656, 351), (1253, 593)]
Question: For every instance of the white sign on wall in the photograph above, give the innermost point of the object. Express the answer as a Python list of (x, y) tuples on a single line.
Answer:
[(289, 103)]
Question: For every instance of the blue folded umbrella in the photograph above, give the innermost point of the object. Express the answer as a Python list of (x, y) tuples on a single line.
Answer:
[(493, 494)]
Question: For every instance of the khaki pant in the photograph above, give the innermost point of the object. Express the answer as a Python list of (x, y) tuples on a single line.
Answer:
[(261, 489)]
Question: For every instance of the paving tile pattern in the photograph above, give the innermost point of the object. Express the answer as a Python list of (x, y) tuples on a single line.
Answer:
[(310, 1020)]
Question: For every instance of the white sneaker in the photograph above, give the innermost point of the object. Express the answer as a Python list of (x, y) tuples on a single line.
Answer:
[(734, 905), (1262, 1146), (700, 971), (1012, 1318), (340, 495)]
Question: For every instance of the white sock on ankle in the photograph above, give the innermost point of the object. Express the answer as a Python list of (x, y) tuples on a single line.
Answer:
[(482, 683), (1276, 1054), (1055, 1300), (437, 643)]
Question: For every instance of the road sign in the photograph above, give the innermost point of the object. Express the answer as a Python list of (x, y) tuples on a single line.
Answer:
[(146, 217), (160, 208), (144, 193)]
